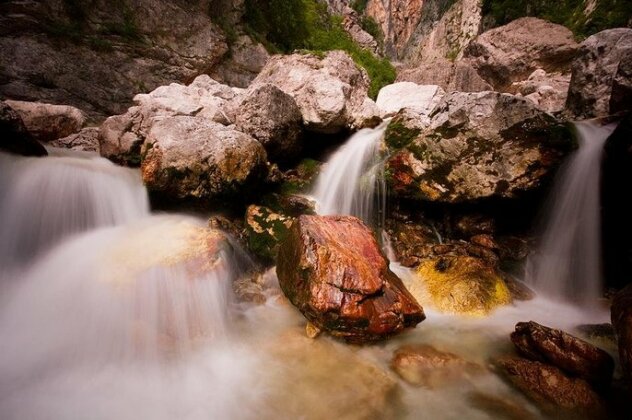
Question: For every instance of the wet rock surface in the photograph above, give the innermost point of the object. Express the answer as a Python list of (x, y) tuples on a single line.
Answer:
[(15, 138), (574, 356), (331, 268), (621, 313)]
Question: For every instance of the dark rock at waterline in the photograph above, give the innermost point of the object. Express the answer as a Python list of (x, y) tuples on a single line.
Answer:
[(517, 289), (47, 122), (272, 117), (478, 145), (601, 83), (571, 354), (622, 321), (554, 392), (332, 269), (14, 138)]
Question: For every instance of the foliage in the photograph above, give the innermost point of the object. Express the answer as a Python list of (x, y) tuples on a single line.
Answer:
[(359, 5), (372, 28), (307, 25), (570, 13)]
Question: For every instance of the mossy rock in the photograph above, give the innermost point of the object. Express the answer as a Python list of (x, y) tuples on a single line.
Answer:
[(402, 130), (460, 285), (265, 229)]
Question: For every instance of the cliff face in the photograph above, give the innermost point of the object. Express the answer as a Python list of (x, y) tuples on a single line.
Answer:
[(97, 54), (399, 19)]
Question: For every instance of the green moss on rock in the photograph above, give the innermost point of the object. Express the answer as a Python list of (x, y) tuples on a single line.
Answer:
[(265, 230)]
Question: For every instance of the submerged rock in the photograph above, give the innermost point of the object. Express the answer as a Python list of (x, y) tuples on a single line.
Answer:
[(192, 158), (601, 84), (14, 137), (331, 268), (477, 145), (48, 122), (329, 91), (622, 322), (272, 117), (425, 366), (554, 392), (460, 285), (571, 354)]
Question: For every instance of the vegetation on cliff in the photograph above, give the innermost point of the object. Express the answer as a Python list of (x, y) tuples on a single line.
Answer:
[(574, 14), (288, 25)]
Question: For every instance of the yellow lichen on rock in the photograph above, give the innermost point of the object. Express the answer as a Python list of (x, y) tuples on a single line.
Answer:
[(460, 285)]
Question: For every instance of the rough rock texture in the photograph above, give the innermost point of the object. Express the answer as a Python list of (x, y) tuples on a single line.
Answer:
[(265, 230), (122, 136), (512, 52), (48, 122), (460, 285), (477, 145), (420, 99), (191, 158), (622, 322), (601, 83), (331, 268), (571, 354), (96, 55), (551, 390), (272, 117), (86, 140), (425, 366), (244, 63), (14, 137), (328, 91), (547, 91), (398, 20)]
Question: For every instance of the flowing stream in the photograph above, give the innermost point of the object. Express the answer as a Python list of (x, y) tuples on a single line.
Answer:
[(568, 264), (109, 311)]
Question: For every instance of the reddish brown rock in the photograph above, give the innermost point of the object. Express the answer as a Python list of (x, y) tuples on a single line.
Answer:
[(553, 391), (622, 322), (571, 354), (424, 365), (331, 268)]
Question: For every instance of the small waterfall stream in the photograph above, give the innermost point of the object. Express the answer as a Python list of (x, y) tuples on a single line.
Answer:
[(567, 265)]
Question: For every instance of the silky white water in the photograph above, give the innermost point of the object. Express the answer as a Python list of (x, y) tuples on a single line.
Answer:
[(124, 320), (352, 181), (567, 264)]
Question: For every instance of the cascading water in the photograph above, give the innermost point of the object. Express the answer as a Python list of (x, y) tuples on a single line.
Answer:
[(568, 263), (43, 201), (352, 182)]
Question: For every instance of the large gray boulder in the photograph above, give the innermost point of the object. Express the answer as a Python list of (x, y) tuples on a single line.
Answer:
[(420, 99), (272, 117), (191, 158), (47, 122), (329, 91), (121, 136), (602, 75), (477, 145)]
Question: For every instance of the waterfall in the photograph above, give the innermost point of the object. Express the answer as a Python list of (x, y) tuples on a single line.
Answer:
[(567, 265), (44, 200), (352, 182)]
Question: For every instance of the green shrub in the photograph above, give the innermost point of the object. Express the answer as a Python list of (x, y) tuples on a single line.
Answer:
[(359, 5), (307, 25), (373, 28)]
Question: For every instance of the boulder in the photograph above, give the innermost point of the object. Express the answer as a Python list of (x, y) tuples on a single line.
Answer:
[(332, 269), (329, 91), (574, 356), (477, 145), (554, 392), (243, 64), (14, 137), (512, 52), (272, 117), (420, 99), (425, 366), (265, 230), (459, 285), (601, 82), (192, 158), (121, 136), (48, 122), (547, 91), (622, 322), (87, 140)]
